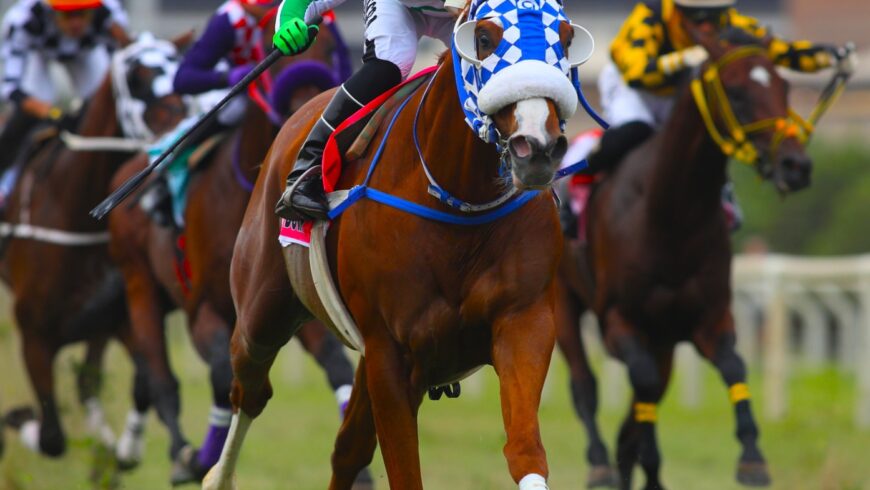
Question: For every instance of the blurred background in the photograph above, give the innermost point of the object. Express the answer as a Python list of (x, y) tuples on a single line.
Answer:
[(802, 304)]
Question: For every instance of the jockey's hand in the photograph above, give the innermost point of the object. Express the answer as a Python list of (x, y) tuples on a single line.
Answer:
[(845, 59), (40, 109), (686, 58), (317, 8), (293, 36)]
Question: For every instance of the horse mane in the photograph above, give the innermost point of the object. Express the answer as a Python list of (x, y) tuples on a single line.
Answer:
[(442, 58)]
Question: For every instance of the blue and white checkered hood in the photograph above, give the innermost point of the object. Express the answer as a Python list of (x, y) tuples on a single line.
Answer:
[(529, 62)]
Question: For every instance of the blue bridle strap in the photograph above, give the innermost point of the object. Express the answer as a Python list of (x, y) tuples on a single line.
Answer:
[(362, 191)]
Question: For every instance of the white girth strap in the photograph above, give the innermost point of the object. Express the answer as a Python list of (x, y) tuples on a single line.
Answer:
[(84, 143), (56, 237), (327, 290)]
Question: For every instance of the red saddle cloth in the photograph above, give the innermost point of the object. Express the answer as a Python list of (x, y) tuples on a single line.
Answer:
[(348, 131)]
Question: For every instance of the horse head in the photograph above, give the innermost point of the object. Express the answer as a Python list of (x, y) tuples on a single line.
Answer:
[(516, 74), (744, 102), (142, 79)]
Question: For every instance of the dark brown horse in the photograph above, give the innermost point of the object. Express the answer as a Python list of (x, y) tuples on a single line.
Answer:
[(659, 248), (432, 301), (147, 255), (56, 260)]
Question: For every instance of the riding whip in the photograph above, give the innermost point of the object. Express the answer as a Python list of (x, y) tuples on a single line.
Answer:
[(135, 181)]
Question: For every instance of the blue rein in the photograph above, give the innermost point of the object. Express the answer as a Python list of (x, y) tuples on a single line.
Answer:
[(497, 209)]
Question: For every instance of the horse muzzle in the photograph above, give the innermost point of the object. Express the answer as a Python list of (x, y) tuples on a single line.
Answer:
[(794, 171), (534, 162)]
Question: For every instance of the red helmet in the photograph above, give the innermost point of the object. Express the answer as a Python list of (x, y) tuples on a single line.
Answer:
[(72, 5)]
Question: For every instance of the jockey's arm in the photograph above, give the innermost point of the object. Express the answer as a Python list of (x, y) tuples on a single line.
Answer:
[(117, 24), (635, 50), (14, 51), (197, 73), (803, 56)]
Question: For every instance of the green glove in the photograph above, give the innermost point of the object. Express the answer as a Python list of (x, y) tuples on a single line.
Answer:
[(292, 36)]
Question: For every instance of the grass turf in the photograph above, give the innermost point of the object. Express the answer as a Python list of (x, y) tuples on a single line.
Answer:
[(815, 447)]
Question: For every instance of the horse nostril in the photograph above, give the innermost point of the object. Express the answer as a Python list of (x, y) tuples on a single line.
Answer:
[(521, 147), (558, 148)]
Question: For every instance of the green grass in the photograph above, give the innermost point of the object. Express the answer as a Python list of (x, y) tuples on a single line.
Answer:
[(815, 447)]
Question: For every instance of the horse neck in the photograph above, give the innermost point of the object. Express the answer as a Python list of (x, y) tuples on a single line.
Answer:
[(689, 169), (470, 167), (254, 137), (81, 178)]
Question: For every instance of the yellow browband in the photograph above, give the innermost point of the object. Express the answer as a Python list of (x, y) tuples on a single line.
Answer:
[(709, 91)]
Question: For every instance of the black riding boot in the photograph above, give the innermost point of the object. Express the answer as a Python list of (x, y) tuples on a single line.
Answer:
[(616, 143), (304, 197), (13, 136)]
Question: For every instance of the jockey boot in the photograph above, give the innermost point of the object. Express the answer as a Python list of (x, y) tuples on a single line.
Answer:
[(615, 144), (304, 197)]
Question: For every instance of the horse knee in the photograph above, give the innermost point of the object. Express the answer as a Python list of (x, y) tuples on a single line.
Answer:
[(250, 399)]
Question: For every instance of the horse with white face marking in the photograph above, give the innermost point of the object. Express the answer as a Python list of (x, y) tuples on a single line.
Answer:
[(458, 283)]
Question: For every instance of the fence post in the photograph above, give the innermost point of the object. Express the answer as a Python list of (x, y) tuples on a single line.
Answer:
[(848, 322), (862, 410), (690, 369), (775, 344), (814, 341)]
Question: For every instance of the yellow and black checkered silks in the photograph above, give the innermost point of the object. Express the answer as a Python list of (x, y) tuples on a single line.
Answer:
[(654, 29)]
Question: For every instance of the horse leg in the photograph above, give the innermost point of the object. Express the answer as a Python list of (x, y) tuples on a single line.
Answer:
[(266, 308), (131, 443), (211, 337), (146, 316), (328, 351), (44, 435), (356, 441), (648, 373), (521, 360), (395, 402), (89, 382), (718, 346), (584, 389)]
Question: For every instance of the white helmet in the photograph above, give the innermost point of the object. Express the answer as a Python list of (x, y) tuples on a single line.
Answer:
[(706, 3)]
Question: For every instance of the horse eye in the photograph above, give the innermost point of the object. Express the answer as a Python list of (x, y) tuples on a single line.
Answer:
[(484, 42)]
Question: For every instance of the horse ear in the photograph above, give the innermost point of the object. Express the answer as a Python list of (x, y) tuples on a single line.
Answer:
[(183, 41)]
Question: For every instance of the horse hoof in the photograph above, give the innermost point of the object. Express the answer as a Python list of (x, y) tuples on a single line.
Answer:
[(210, 481), (186, 468), (753, 474), (363, 481), (127, 465), (19, 416), (602, 476)]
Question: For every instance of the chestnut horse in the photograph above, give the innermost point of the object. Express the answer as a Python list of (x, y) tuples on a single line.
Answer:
[(56, 261), (432, 301), (658, 265), (146, 254)]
